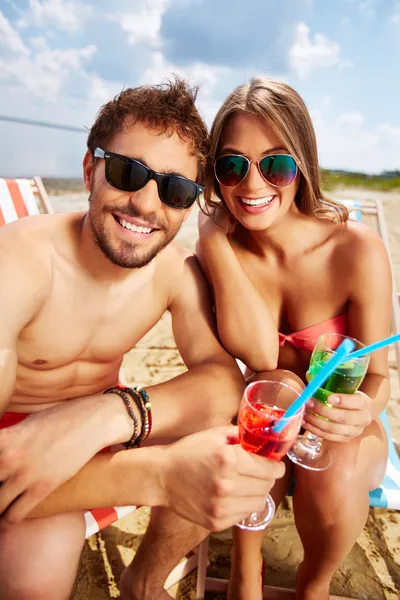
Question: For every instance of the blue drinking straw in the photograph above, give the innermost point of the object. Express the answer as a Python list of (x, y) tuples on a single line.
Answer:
[(373, 347), (343, 350)]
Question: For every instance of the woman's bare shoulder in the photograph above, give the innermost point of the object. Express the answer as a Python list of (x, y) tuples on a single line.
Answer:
[(359, 244)]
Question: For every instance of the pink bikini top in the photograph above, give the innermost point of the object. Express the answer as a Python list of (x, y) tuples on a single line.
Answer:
[(307, 338)]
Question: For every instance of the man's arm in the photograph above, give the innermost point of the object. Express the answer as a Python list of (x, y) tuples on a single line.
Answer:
[(209, 393), (206, 478), (51, 446)]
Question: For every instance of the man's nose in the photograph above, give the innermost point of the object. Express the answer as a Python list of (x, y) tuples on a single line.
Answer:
[(146, 200)]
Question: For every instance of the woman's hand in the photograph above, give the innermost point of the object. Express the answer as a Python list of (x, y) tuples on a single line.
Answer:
[(344, 419), (220, 222)]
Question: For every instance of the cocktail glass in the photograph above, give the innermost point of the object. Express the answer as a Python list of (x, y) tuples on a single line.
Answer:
[(308, 451), (263, 403)]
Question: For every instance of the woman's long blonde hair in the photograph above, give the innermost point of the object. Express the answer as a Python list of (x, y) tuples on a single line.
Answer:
[(281, 108)]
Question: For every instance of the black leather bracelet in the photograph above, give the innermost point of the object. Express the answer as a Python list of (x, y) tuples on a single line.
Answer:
[(136, 397), (132, 442)]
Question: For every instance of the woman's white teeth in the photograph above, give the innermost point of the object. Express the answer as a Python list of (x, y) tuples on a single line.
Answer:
[(258, 202), (133, 227)]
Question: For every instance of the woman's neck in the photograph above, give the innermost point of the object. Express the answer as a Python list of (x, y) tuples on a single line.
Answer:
[(291, 236)]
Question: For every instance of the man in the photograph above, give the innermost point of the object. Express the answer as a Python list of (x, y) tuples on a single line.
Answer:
[(78, 291)]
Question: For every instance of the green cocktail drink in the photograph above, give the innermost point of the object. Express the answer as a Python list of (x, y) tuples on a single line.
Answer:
[(308, 450), (346, 379)]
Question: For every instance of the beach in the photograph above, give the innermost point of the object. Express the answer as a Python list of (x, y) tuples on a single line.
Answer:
[(371, 571)]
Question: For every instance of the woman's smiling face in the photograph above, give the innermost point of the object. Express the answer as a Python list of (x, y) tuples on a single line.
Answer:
[(254, 202)]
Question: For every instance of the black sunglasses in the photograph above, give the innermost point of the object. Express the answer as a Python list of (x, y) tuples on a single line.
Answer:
[(130, 175), (277, 169)]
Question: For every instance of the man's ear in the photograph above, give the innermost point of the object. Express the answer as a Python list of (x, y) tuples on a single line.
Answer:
[(88, 170)]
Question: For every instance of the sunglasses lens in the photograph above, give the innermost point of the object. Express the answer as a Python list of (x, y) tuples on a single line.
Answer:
[(231, 170), (178, 192), (279, 170), (125, 174)]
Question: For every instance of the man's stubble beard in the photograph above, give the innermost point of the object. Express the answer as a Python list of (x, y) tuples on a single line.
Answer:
[(125, 255)]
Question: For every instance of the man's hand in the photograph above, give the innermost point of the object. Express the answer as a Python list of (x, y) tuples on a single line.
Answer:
[(210, 480), (345, 419), (42, 452)]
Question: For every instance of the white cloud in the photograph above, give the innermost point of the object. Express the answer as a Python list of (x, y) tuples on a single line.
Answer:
[(38, 69), (345, 22), (368, 8), (351, 119), (395, 18), (143, 22), (10, 39), (66, 15), (38, 42), (14, 6), (100, 91), (202, 74), (206, 76), (307, 54), (355, 146)]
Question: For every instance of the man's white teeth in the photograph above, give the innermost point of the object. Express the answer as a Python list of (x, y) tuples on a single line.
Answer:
[(133, 227), (258, 202)]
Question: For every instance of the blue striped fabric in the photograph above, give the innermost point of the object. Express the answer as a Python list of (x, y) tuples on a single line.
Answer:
[(388, 494), (354, 208)]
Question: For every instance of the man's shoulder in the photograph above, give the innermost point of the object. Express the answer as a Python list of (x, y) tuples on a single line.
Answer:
[(178, 266), (175, 257), (38, 227), (32, 239)]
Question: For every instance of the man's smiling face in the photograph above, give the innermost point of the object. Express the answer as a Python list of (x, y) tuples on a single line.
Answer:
[(131, 228)]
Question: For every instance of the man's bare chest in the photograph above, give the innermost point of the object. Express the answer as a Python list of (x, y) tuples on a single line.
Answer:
[(73, 326)]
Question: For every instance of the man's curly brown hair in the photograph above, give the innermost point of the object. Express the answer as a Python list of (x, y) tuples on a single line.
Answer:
[(168, 107)]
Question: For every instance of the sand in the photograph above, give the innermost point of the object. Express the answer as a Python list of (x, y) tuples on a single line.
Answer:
[(371, 571)]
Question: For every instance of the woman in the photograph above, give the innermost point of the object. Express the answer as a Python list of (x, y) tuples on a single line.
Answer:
[(286, 265)]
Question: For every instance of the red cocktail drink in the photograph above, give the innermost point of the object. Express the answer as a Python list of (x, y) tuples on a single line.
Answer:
[(264, 403), (257, 435)]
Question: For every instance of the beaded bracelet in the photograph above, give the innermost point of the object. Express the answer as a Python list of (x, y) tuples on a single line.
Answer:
[(147, 405), (136, 397), (132, 442)]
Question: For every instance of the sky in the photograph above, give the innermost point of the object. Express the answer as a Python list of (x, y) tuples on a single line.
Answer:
[(60, 60)]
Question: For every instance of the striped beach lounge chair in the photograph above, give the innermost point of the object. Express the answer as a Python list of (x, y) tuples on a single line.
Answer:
[(20, 198), (388, 494)]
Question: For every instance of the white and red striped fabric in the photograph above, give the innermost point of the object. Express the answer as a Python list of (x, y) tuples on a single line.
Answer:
[(100, 518), (16, 200)]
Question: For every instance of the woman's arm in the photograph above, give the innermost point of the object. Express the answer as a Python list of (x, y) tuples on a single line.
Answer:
[(245, 324), (370, 313), (369, 309)]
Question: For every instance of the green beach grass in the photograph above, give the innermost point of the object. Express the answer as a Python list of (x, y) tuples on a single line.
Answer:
[(386, 182)]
